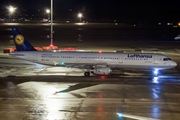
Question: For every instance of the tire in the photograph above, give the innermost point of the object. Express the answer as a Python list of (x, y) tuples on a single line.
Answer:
[(87, 74)]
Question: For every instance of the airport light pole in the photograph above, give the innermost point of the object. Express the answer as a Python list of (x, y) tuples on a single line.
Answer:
[(11, 10), (51, 24)]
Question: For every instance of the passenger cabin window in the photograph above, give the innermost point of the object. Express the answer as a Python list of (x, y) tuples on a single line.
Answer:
[(166, 59)]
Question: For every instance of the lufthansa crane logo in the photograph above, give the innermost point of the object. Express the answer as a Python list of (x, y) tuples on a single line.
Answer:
[(19, 39)]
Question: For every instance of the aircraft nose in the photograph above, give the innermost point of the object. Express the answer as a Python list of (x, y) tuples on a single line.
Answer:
[(174, 63)]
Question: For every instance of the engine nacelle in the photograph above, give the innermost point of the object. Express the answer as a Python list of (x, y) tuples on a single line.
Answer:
[(102, 70)]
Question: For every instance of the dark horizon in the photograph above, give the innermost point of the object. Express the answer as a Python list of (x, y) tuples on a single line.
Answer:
[(130, 10), (139, 5)]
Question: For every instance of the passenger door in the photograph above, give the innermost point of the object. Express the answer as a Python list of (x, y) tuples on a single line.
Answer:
[(121, 59), (78, 58)]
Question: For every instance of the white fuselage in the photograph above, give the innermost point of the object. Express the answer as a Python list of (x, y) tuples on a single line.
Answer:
[(117, 60)]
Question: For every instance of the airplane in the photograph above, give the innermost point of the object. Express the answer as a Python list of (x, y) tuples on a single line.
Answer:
[(99, 63), (177, 37)]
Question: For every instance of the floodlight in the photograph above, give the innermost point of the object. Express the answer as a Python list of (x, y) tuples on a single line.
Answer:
[(12, 9), (47, 11), (80, 15)]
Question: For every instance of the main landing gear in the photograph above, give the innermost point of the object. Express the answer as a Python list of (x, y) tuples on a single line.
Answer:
[(87, 74)]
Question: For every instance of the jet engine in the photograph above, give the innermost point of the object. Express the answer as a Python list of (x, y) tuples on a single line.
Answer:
[(102, 70)]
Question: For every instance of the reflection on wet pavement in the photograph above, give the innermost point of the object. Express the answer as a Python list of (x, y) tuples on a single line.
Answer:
[(33, 98)]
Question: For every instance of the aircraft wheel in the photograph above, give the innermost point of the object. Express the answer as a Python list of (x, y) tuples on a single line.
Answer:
[(87, 74)]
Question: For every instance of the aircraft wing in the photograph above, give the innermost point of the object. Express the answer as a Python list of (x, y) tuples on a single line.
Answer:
[(86, 66)]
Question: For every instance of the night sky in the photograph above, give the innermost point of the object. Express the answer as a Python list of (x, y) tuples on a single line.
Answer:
[(154, 10), (140, 5)]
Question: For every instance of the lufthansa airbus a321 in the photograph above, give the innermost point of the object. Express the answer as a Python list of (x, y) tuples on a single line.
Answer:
[(93, 62)]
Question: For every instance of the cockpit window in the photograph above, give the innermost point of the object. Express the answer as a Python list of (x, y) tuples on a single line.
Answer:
[(166, 59)]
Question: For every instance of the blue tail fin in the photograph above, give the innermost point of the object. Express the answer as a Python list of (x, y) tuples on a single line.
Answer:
[(21, 42)]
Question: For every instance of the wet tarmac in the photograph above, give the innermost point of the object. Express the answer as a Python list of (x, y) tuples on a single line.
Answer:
[(38, 92)]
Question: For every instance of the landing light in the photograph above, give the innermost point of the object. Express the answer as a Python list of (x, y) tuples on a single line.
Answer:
[(156, 72)]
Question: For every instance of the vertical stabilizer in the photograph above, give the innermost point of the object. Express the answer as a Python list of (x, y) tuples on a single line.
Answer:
[(22, 44)]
